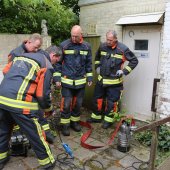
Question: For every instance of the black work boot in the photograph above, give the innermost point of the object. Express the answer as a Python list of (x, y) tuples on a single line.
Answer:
[(49, 137), (75, 126), (106, 125), (92, 120), (2, 165), (65, 129)]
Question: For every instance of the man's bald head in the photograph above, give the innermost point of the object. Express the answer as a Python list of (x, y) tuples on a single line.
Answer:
[(76, 34)]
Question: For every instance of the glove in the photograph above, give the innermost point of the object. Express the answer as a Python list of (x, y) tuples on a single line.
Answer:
[(98, 70), (58, 84), (89, 83), (119, 73)]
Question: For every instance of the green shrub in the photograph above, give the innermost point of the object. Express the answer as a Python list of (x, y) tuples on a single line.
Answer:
[(163, 138)]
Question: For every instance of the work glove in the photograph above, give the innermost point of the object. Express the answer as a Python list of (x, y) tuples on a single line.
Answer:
[(98, 70), (58, 84), (119, 73), (89, 83)]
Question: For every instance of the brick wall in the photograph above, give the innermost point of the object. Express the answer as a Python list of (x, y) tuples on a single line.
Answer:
[(105, 15), (164, 88), (11, 41)]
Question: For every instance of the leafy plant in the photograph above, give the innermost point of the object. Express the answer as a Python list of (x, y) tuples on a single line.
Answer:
[(163, 138), (25, 16), (73, 4)]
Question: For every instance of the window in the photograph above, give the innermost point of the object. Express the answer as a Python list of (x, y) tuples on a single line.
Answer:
[(141, 44)]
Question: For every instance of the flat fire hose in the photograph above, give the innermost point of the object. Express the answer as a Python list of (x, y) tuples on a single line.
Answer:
[(85, 136)]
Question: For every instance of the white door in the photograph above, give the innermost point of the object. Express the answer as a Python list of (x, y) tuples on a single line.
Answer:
[(144, 41)]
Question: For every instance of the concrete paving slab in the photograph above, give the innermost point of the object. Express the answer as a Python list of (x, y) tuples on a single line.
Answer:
[(114, 153), (141, 154), (128, 161), (84, 154), (15, 165), (115, 168), (97, 143), (67, 164), (31, 162), (102, 162)]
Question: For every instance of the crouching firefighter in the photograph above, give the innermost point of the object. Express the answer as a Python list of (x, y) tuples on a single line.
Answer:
[(109, 61), (25, 88), (33, 44), (74, 70)]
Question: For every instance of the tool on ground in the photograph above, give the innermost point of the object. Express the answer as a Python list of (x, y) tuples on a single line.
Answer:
[(68, 149), (124, 137), (19, 143), (56, 125)]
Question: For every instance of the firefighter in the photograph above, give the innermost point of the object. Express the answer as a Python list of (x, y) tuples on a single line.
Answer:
[(74, 70), (109, 61), (32, 45), (25, 88)]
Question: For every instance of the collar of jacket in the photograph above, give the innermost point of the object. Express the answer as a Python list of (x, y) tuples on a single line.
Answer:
[(24, 47), (115, 45), (81, 41), (44, 53)]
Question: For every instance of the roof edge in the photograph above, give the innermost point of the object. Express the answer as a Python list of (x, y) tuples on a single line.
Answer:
[(143, 18)]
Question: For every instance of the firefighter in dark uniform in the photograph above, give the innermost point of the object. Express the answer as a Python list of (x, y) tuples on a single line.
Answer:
[(109, 61), (74, 70), (26, 87), (32, 45)]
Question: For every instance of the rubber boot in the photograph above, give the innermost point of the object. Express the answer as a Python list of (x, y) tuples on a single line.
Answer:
[(92, 120), (106, 125), (65, 129), (75, 126)]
